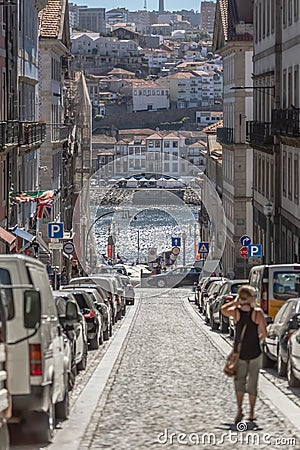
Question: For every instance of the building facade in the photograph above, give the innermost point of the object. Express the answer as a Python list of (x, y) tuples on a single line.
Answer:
[(207, 10), (92, 19), (233, 40)]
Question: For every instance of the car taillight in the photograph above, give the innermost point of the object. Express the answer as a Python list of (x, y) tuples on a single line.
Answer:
[(35, 356), (264, 298), (90, 315), (290, 332), (110, 298), (117, 299), (228, 298)]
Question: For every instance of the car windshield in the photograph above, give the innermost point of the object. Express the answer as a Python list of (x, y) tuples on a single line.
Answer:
[(6, 294), (235, 287), (80, 300)]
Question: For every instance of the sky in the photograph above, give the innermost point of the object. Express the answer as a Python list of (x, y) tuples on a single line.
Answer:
[(134, 5)]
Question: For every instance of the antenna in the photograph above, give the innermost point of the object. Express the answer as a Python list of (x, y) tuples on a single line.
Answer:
[(145, 5)]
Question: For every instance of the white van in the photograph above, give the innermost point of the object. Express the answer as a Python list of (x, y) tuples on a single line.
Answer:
[(35, 357), (4, 395)]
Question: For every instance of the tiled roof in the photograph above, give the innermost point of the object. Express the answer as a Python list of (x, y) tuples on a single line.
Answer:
[(103, 139), (50, 19), (117, 71), (212, 129), (234, 12)]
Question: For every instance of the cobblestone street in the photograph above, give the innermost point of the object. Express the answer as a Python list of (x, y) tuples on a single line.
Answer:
[(168, 379)]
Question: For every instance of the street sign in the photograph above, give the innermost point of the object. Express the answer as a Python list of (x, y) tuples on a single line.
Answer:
[(176, 242), (152, 254), (203, 247), (244, 252), (175, 251), (55, 230), (255, 251), (69, 248), (55, 245), (245, 240)]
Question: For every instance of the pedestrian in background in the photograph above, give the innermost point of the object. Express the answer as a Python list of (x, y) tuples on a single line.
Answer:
[(246, 312), (74, 269), (64, 279)]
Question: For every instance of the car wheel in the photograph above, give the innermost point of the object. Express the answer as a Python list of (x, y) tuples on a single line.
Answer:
[(281, 365), (4, 437), (45, 423), (223, 325), (161, 283), (267, 362), (206, 318), (106, 334), (111, 329), (292, 380), (94, 343), (124, 310), (82, 364), (213, 324), (101, 337), (62, 409)]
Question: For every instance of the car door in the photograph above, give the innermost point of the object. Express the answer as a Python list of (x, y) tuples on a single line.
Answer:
[(216, 305), (273, 330)]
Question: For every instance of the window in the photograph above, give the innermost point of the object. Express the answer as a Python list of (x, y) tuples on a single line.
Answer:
[(290, 180), (7, 294), (290, 88), (296, 179), (259, 175), (167, 144), (290, 11), (284, 90), (272, 181), (175, 144), (267, 179), (254, 174), (296, 10), (175, 167), (296, 86), (263, 176), (269, 12), (284, 174), (157, 144), (284, 13)]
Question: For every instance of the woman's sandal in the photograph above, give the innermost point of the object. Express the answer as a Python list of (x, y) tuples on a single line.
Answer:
[(238, 418)]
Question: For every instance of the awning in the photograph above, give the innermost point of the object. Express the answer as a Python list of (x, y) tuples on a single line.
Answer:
[(38, 240), (23, 234), (7, 237)]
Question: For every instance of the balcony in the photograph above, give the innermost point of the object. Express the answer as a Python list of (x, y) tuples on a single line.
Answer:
[(9, 132), (259, 133), (31, 133), (286, 122), (225, 135)]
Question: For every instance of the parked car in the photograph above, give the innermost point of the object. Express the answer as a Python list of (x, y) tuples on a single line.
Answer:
[(119, 291), (293, 362), (92, 317), (212, 293), (228, 292), (275, 348), (35, 346), (103, 286), (274, 284), (129, 292), (77, 333), (181, 276), (204, 291), (102, 308)]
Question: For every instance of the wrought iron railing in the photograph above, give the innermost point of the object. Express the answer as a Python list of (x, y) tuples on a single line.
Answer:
[(225, 135), (259, 133), (286, 122), (31, 133)]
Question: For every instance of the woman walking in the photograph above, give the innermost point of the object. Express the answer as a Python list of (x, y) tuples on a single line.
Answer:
[(247, 315)]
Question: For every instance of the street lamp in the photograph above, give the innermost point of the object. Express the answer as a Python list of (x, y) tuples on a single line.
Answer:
[(138, 238), (268, 211), (86, 237)]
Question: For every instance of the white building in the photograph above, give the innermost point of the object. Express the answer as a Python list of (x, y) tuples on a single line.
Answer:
[(149, 96), (92, 43), (156, 59)]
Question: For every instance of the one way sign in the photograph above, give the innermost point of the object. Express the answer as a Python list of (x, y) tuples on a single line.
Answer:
[(176, 242), (203, 247)]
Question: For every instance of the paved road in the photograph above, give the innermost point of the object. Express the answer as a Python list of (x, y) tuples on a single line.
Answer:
[(169, 380)]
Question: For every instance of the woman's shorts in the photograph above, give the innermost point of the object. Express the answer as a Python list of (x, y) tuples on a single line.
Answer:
[(247, 375)]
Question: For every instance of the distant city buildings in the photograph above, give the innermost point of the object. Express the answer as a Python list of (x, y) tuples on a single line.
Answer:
[(207, 10)]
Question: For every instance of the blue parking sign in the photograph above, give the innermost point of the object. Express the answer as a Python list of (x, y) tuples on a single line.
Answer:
[(255, 251), (176, 242), (55, 230)]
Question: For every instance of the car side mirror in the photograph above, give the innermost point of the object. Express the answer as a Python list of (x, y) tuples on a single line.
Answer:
[(294, 322), (32, 309), (269, 320), (86, 311), (129, 274)]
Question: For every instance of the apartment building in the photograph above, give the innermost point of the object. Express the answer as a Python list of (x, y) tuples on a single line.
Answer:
[(149, 96), (207, 10), (92, 19), (233, 40), (156, 59), (161, 152), (275, 132)]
